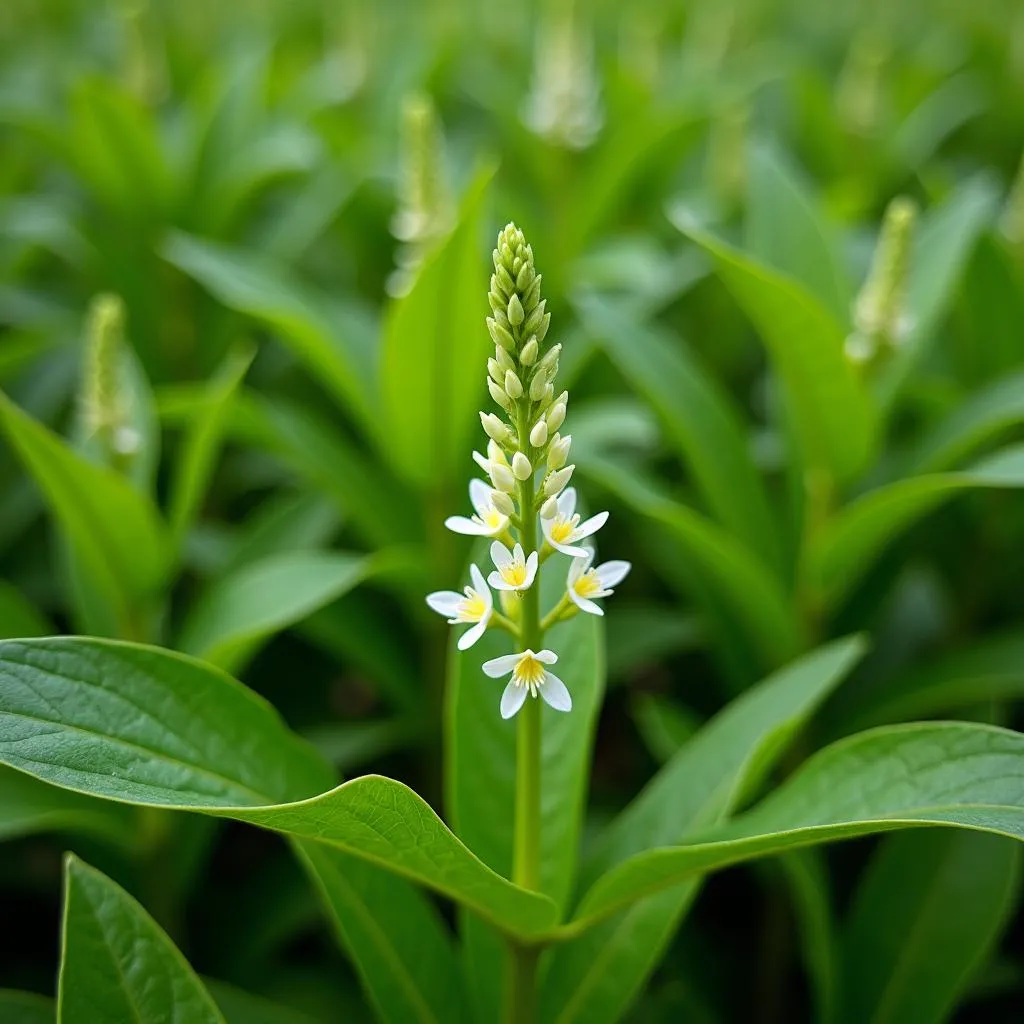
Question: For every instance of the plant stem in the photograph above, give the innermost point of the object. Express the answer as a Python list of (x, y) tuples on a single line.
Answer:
[(521, 982)]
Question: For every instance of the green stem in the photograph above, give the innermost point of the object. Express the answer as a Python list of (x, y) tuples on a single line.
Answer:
[(521, 982)]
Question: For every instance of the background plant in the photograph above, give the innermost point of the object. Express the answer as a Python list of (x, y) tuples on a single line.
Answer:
[(705, 189)]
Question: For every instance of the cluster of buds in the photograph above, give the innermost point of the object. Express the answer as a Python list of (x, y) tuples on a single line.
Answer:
[(528, 470), (879, 313)]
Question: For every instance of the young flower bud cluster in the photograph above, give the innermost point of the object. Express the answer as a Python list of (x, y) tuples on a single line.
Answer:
[(528, 470), (879, 313)]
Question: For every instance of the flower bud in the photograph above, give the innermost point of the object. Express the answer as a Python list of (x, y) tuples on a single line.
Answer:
[(499, 396), (528, 354), (505, 282), (548, 396), (513, 385), (532, 297), (542, 328), (500, 335), (494, 369), (539, 434), (558, 453), (503, 503), (537, 386), (549, 509), (555, 483), (495, 454), (535, 319), (556, 417), (524, 275), (521, 466), (504, 360), (502, 478), (549, 364), (515, 311), (493, 427)]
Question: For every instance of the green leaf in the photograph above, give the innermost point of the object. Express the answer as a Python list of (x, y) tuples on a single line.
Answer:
[(984, 416), (240, 1007), (480, 766), (433, 353), (117, 964), (949, 773), (196, 461), (928, 911), (595, 977), (26, 1008), (786, 231), (334, 340), (113, 530), (148, 726), (663, 724), (18, 616), (394, 936), (239, 611), (28, 806), (942, 247), (832, 413), (844, 549), (754, 596), (644, 633), (700, 420)]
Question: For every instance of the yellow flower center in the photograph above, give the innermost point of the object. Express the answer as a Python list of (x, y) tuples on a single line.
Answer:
[(515, 574), (587, 584), (472, 608), (561, 531), (493, 518), (529, 672)]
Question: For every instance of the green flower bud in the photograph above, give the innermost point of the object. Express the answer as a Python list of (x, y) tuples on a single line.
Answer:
[(539, 434), (548, 366), (542, 330), (513, 385), (524, 275), (549, 509), (880, 307), (500, 335), (534, 320), (558, 453), (532, 297), (528, 355), (555, 482), (502, 478), (497, 374), (504, 359), (548, 396), (537, 386), (500, 397), (521, 466), (556, 417), (505, 282), (503, 503), (497, 305), (515, 311), (495, 453), (494, 428)]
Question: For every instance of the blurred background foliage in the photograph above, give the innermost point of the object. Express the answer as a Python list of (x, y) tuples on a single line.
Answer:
[(294, 202)]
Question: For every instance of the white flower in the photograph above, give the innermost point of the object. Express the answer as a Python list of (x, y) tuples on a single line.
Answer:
[(528, 676), (487, 522), (476, 605), (586, 584), (564, 529), (514, 570)]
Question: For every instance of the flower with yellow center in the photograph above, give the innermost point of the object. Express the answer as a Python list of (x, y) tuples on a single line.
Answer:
[(487, 522), (529, 676), (474, 605), (585, 585), (563, 530), (514, 571)]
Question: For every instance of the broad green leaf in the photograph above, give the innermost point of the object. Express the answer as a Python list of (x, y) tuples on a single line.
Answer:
[(990, 670), (955, 774), (239, 611), (18, 616), (753, 595), (785, 231), (663, 724), (595, 976), (26, 1008), (832, 413), (148, 726), (843, 550), (197, 458), (434, 350), (28, 806), (985, 415), (642, 634), (480, 766), (700, 420), (117, 964), (240, 1007), (334, 340), (929, 909), (942, 246), (355, 744), (114, 531), (394, 936)]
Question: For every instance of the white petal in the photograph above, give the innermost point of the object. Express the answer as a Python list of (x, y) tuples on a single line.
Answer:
[(585, 604), (611, 574), (518, 554), (445, 602), (480, 496), (471, 636), (498, 583), (512, 700), (480, 586), (567, 503), (546, 525), (498, 667), (568, 549), (531, 570), (553, 690), (546, 657), (460, 524), (500, 556), (482, 462), (577, 567), (590, 526)]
